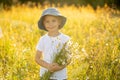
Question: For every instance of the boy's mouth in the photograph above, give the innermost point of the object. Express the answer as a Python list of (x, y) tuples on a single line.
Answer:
[(50, 27)]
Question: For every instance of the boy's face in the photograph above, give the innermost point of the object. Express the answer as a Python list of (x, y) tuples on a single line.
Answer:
[(51, 23)]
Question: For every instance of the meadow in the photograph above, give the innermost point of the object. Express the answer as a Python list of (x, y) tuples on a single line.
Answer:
[(97, 33)]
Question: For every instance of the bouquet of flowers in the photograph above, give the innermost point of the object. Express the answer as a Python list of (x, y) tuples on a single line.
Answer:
[(61, 58)]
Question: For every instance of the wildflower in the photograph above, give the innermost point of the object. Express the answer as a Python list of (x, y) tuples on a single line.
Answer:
[(87, 78), (84, 51), (63, 63), (106, 44)]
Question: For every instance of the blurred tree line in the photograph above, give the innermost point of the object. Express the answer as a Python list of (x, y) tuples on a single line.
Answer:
[(93, 3)]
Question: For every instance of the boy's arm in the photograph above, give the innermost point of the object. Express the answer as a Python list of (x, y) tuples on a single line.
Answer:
[(39, 61), (50, 67)]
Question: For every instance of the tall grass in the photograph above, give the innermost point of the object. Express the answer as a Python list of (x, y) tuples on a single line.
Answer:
[(97, 33)]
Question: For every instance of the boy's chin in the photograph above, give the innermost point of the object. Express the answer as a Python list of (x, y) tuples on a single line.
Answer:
[(52, 30)]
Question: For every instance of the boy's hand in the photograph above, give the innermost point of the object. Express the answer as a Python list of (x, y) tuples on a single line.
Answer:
[(55, 67), (51, 67)]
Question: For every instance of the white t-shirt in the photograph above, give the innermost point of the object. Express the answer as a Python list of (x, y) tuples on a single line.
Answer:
[(49, 47)]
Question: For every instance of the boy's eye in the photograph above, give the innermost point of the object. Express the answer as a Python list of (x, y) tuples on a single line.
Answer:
[(47, 21), (53, 20)]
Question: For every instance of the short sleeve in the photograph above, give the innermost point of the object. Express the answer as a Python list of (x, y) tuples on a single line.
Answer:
[(66, 38), (40, 46)]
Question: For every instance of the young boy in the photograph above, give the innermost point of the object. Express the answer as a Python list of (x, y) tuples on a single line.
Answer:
[(51, 21)]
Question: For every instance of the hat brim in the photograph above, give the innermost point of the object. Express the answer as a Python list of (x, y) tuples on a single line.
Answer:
[(41, 26)]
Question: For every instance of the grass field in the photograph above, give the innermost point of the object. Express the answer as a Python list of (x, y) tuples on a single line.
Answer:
[(96, 32)]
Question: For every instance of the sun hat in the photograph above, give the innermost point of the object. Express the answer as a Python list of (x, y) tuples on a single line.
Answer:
[(53, 12)]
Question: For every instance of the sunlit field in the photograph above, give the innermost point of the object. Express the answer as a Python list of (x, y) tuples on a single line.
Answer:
[(96, 32)]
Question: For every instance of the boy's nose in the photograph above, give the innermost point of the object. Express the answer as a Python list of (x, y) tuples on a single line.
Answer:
[(50, 23)]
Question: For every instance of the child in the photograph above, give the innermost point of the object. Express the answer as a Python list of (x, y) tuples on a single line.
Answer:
[(49, 44)]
